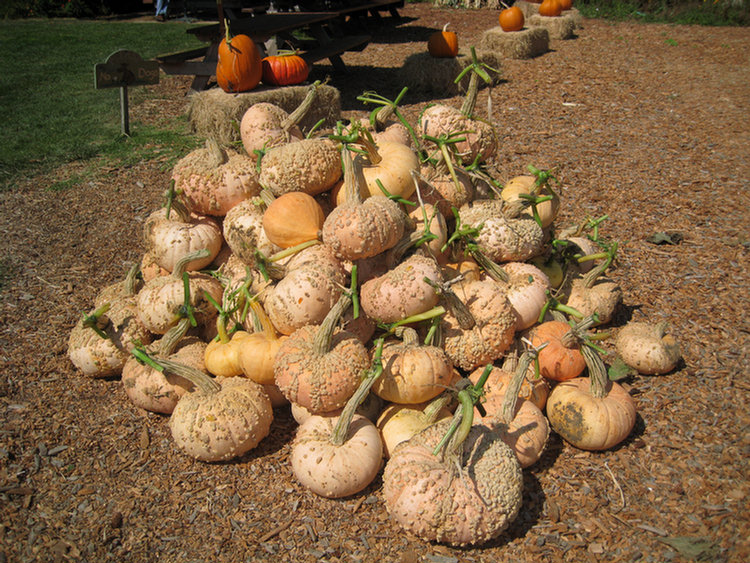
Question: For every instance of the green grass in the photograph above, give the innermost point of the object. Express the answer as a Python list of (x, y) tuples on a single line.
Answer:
[(691, 12), (50, 112)]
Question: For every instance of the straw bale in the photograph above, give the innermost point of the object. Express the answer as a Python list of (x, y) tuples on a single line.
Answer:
[(560, 27), (213, 112), (525, 44), (423, 73)]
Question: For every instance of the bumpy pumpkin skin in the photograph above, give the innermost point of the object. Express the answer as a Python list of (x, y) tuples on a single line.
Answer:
[(261, 128), (438, 501), (98, 357), (222, 425), (402, 291), (648, 348), (211, 188), (336, 471), (590, 423), (526, 434), (312, 166), (159, 392), (493, 333), (320, 383)]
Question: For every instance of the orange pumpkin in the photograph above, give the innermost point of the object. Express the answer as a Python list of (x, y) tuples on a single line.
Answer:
[(565, 4), (511, 19), (285, 69), (443, 44), (550, 8), (239, 67)]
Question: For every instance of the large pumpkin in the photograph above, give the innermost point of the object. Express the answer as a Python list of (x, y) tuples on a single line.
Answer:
[(285, 69), (239, 67)]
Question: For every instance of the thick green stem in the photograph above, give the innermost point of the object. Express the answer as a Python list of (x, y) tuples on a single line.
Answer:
[(508, 412), (202, 381), (340, 431), (324, 336), (296, 116), (597, 372)]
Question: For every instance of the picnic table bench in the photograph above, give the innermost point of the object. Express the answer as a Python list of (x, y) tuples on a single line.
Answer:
[(325, 31)]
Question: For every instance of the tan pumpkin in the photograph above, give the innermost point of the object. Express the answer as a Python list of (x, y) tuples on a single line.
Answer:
[(319, 368), (591, 413), (220, 420), (312, 166), (171, 233), (360, 229), (211, 180), (412, 373), (160, 302)]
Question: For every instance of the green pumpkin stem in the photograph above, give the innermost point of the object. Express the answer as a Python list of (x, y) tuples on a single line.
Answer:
[(340, 431)]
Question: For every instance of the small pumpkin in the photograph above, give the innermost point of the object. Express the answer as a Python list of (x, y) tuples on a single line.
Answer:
[(284, 69), (239, 67), (550, 8), (293, 218), (443, 44), (511, 19)]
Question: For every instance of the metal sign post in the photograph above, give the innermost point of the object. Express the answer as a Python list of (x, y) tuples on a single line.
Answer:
[(122, 69)]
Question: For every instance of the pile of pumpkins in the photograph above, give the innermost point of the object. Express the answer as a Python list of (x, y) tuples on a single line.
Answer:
[(404, 304)]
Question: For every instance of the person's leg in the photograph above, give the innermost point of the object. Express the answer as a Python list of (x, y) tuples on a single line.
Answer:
[(161, 9)]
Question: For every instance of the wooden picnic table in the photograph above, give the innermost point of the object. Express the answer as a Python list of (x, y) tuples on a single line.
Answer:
[(262, 27)]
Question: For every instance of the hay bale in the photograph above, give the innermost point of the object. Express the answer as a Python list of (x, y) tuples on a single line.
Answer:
[(525, 44), (212, 112), (528, 8), (560, 27), (425, 74)]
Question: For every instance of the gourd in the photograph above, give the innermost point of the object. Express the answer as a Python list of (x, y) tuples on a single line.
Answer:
[(412, 373), (284, 69), (220, 419), (318, 367), (443, 44), (562, 357), (292, 219), (402, 291), (454, 482), (648, 348), (265, 125), (339, 456), (173, 232), (211, 180), (526, 289), (521, 423), (153, 390), (239, 66), (312, 166), (490, 332), (257, 352), (502, 239), (591, 413), (162, 301), (360, 229)]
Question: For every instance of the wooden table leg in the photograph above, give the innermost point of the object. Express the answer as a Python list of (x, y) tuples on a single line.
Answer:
[(212, 56)]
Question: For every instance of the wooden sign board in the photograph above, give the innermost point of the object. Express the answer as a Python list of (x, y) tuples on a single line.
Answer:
[(125, 68)]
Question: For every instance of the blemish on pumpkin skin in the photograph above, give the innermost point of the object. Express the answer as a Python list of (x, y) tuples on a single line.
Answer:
[(571, 422)]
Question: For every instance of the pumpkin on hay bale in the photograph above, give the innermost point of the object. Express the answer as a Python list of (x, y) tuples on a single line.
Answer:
[(558, 27), (424, 73), (532, 9), (212, 112), (528, 43)]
